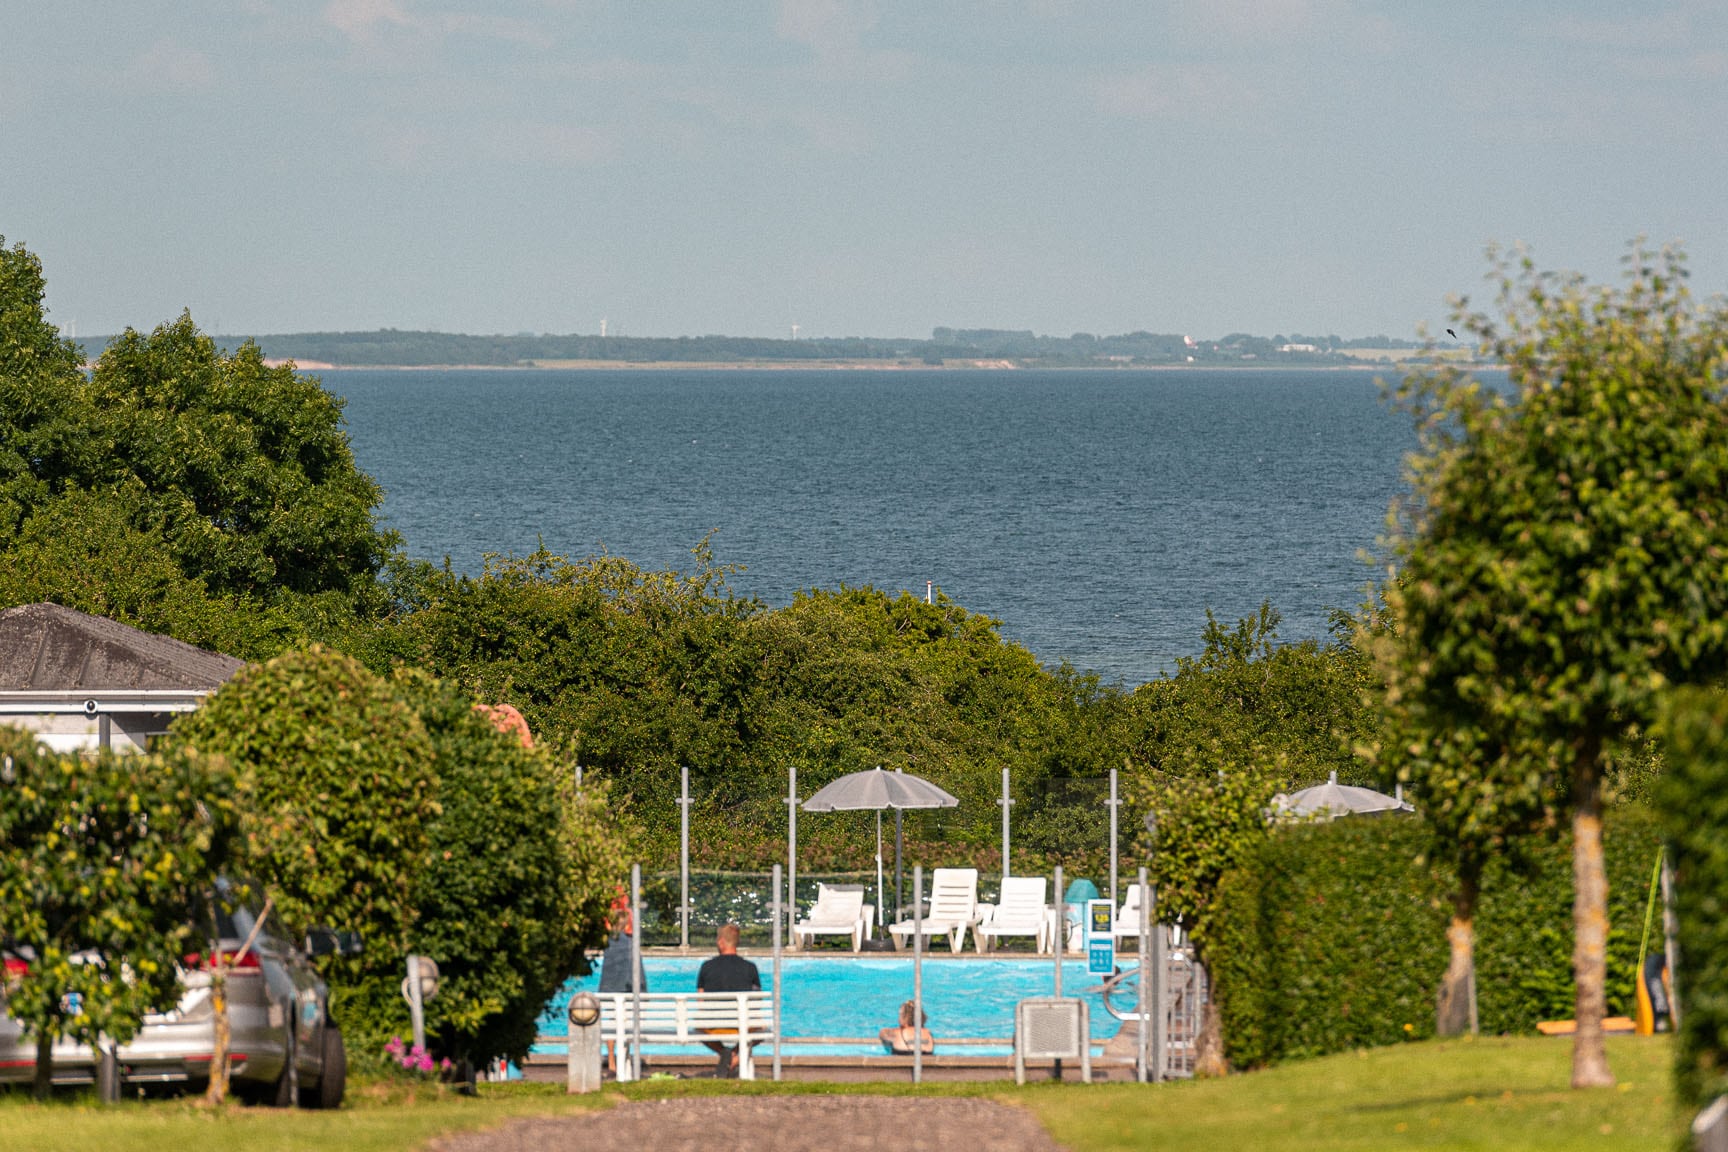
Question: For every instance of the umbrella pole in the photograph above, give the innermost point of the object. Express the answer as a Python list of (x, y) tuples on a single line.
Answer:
[(899, 877), (881, 896)]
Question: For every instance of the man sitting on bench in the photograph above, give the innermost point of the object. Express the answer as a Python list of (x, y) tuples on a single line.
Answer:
[(727, 972)]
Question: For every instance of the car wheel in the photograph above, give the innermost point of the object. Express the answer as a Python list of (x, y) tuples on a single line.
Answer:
[(333, 1073)]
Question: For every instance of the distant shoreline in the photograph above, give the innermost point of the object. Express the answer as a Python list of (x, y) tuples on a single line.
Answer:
[(1363, 365)]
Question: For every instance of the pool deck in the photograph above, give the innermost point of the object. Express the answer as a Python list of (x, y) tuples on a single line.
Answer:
[(857, 1069)]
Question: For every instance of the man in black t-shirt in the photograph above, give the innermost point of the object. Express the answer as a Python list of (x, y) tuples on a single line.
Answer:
[(727, 972)]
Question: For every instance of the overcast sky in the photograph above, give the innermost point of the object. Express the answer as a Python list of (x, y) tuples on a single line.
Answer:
[(865, 167)]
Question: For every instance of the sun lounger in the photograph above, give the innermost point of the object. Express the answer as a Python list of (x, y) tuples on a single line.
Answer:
[(1020, 911), (839, 911), (953, 909), (1128, 916)]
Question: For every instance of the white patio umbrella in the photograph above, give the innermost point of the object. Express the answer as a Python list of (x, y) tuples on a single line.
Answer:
[(878, 789), (1333, 800)]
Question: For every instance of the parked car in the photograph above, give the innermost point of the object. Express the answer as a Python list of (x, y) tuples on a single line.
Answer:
[(277, 1005)]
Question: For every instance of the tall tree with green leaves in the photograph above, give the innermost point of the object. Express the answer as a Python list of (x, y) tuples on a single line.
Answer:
[(104, 862), (336, 787), (1215, 742), (1565, 557)]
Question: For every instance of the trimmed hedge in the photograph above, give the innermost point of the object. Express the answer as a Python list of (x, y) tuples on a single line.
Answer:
[(1693, 799), (1334, 937)]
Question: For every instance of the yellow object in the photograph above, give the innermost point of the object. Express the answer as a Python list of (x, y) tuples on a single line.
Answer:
[(1567, 1027), (1646, 1013)]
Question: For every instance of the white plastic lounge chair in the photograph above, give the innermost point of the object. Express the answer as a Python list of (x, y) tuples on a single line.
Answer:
[(953, 909), (1019, 912), (839, 911), (1128, 916)]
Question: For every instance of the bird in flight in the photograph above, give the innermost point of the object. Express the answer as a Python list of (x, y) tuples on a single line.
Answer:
[(1451, 333)]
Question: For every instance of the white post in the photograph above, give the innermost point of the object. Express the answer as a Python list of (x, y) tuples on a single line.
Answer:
[(1114, 805), (777, 901), (636, 980), (1007, 802), (684, 858), (416, 1005), (917, 978), (791, 909), (1061, 931), (1142, 1041), (1670, 944)]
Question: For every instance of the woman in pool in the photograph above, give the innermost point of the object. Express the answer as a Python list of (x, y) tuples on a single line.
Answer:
[(900, 1040)]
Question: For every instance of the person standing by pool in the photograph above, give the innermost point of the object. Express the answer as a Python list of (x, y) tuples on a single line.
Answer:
[(727, 972), (899, 1040), (615, 974)]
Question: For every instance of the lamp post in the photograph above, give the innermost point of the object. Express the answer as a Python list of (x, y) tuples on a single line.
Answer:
[(583, 1046)]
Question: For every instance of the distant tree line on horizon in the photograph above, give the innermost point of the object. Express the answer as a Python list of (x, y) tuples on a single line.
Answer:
[(391, 346)]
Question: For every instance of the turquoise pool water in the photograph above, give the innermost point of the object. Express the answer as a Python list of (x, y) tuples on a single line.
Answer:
[(858, 996)]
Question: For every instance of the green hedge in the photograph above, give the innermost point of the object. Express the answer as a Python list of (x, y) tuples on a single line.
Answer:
[(1334, 937), (1693, 800)]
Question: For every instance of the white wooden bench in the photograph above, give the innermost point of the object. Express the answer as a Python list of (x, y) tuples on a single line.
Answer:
[(741, 1018)]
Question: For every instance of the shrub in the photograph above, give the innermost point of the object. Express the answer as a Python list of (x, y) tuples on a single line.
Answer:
[(1332, 936), (393, 808), (1693, 800)]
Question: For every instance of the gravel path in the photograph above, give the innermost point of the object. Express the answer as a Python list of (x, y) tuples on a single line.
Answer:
[(775, 1124)]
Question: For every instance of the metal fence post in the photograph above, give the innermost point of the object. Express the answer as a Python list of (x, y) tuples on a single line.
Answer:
[(636, 979), (918, 978), (1142, 941), (1114, 804), (684, 858), (777, 938), (791, 846)]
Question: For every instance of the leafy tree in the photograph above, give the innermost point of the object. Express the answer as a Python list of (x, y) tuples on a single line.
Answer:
[(1213, 743), (103, 863), (1247, 689), (336, 788), (636, 673), (243, 468), (502, 903), (227, 483), (1208, 816), (82, 550), (42, 409), (1692, 800), (1565, 558)]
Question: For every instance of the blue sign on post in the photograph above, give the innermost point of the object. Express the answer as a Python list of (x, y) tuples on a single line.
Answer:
[(1100, 938), (1101, 957)]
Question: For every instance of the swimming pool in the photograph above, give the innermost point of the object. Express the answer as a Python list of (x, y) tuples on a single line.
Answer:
[(847, 996)]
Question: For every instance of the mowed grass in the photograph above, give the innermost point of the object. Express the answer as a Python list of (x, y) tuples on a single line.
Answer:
[(1497, 1093), (376, 1118), (1484, 1093)]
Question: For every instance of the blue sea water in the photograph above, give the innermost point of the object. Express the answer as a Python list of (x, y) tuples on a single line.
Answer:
[(1097, 515), (841, 996)]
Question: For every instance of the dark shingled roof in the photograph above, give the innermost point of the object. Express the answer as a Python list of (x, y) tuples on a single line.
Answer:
[(48, 648)]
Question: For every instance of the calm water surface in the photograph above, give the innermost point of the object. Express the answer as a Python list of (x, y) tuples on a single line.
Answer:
[(1096, 514)]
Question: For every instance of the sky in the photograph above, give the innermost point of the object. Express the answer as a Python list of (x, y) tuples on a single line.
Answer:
[(855, 167)]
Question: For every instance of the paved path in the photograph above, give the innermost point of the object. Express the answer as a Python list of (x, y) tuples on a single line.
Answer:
[(775, 1124)]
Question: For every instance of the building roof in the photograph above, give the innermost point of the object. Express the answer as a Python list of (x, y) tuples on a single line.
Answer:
[(48, 648)]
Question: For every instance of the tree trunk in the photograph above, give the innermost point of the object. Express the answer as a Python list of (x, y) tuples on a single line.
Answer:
[(44, 1082), (1590, 930), (1455, 1002), (217, 1091), (1209, 1044)]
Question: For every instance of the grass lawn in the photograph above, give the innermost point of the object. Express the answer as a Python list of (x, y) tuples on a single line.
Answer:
[(1458, 1095), (1486, 1093)]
